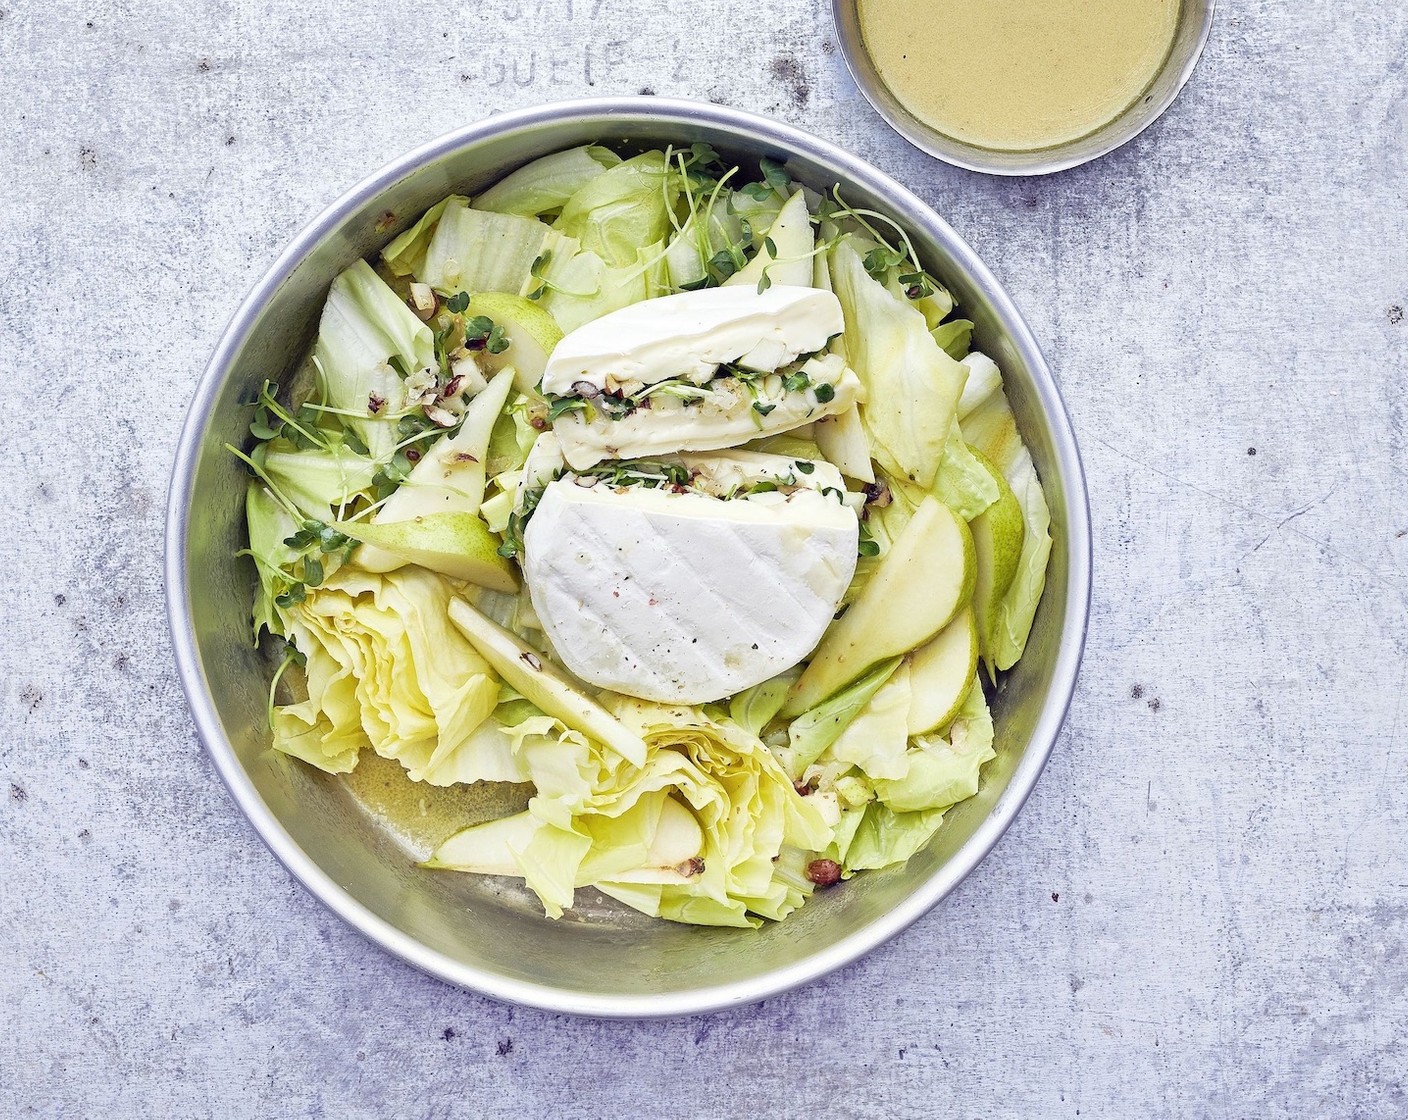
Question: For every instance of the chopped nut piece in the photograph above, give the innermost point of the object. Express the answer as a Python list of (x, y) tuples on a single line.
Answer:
[(824, 872), (423, 301)]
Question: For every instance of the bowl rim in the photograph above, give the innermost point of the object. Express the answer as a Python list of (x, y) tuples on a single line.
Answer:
[(665, 112), (971, 157)]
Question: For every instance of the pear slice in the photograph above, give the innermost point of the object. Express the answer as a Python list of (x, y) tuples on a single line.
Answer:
[(450, 476), (998, 534), (532, 334), (920, 584), (523, 668), (941, 673), (791, 236), (458, 545)]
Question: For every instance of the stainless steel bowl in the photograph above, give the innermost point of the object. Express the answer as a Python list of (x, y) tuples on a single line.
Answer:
[(1194, 23), (486, 934)]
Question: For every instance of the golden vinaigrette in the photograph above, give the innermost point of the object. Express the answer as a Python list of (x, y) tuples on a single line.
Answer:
[(1017, 74)]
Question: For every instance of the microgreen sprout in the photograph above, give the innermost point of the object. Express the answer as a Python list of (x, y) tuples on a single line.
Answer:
[(292, 656), (482, 333)]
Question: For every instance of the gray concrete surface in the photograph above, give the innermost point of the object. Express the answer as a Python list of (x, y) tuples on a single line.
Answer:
[(1203, 910)]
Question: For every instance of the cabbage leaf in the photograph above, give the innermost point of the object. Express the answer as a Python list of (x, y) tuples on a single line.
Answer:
[(405, 256), (622, 209), (545, 184), (912, 387), (697, 834), (480, 251), (365, 325), (942, 772), (386, 670)]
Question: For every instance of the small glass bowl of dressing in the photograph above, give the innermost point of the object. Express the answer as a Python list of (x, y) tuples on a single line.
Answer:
[(1021, 87)]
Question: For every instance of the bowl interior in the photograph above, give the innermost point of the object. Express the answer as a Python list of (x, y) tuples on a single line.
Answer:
[(489, 934), (1194, 23)]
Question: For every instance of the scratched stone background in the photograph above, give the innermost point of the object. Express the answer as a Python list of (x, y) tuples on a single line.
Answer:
[(1203, 910)]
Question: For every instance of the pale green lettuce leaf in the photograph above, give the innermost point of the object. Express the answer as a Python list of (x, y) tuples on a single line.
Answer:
[(943, 772), (984, 379), (478, 251), (581, 286), (269, 525), (405, 256), (760, 214), (318, 480), (1012, 623), (364, 325), (876, 738), (622, 209), (954, 337), (963, 483), (912, 387), (884, 837), (545, 184), (811, 733)]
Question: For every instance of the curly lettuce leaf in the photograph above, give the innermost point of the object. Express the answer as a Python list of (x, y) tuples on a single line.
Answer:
[(385, 670)]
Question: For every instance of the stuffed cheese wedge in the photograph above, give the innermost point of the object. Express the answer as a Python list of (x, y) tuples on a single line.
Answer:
[(697, 371)]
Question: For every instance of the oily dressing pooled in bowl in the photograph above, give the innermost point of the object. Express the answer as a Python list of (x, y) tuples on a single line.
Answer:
[(1017, 75)]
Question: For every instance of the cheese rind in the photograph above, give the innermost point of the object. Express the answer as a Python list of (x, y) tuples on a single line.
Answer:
[(689, 335), (684, 598)]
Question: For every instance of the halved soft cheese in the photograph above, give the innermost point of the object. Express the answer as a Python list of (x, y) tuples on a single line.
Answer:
[(728, 415), (681, 597), (691, 334)]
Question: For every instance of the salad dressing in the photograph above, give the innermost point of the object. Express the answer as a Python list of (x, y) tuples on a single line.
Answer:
[(1017, 75), (418, 815)]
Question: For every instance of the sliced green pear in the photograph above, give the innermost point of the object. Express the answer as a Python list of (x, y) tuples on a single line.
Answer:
[(998, 533), (918, 587), (458, 545), (791, 235), (941, 672), (450, 475), (487, 849), (532, 334), (522, 668)]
